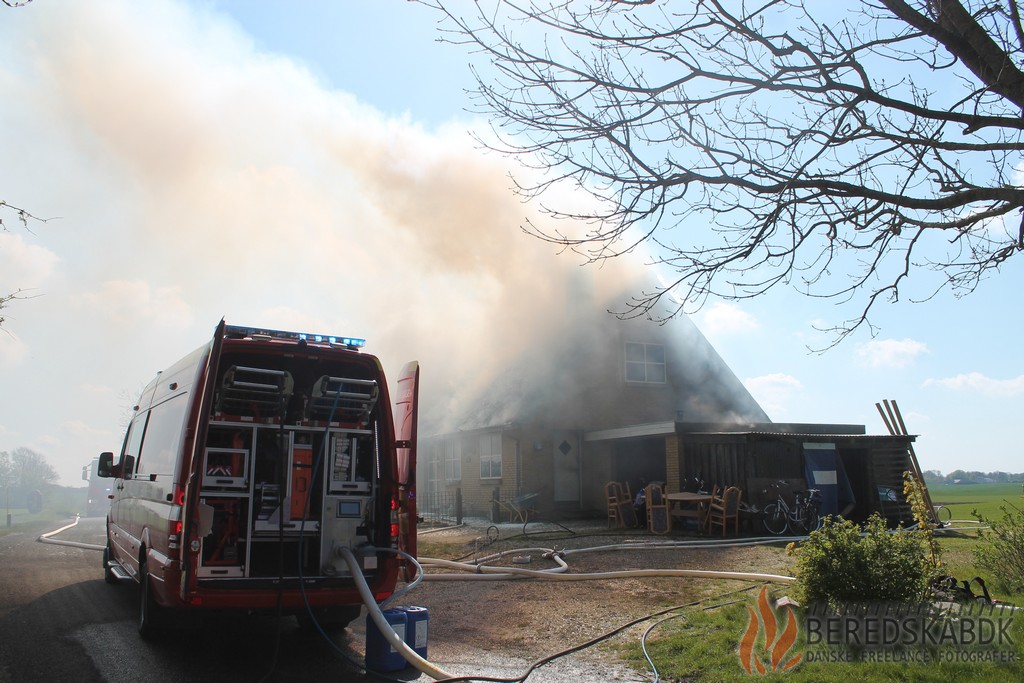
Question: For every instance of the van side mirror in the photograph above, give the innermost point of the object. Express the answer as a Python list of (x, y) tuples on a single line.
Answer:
[(105, 468)]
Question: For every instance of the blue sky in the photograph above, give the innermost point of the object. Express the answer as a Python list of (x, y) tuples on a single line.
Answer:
[(190, 152)]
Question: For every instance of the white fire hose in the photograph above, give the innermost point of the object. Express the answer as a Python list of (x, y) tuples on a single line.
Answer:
[(383, 626)]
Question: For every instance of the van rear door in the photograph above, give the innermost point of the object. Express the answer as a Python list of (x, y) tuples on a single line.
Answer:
[(406, 418), (190, 474)]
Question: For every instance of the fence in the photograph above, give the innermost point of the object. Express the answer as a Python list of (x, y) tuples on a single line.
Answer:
[(440, 508)]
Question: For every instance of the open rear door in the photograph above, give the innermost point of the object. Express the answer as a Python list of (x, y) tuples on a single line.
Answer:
[(406, 414), (190, 514)]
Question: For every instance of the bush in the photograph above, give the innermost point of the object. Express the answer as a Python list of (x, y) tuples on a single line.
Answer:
[(839, 564), (1001, 550)]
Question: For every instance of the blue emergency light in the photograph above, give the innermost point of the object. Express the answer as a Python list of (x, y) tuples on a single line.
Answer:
[(350, 342)]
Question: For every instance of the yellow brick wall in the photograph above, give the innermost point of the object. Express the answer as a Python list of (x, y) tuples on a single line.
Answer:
[(673, 466)]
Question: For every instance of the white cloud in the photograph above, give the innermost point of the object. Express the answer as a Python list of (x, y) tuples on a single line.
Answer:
[(890, 353), (723, 318), (78, 428), (131, 303), (22, 265), (977, 383), (12, 350), (774, 391), (97, 390)]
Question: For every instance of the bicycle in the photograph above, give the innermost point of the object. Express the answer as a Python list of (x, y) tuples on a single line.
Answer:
[(801, 519)]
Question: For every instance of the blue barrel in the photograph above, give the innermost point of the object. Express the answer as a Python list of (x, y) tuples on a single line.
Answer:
[(417, 619), (380, 655)]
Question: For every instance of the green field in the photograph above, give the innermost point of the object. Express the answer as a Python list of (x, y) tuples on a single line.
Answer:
[(964, 499)]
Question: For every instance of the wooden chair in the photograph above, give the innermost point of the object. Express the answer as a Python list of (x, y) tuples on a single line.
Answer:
[(658, 519), (619, 500), (627, 509), (613, 494), (728, 508), (705, 508)]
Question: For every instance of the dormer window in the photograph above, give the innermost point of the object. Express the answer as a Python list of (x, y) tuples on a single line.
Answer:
[(645, 363)]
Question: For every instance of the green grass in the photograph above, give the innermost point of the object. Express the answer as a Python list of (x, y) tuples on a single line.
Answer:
[(701, 646), (25, 523), (963, 500), (59, 503)]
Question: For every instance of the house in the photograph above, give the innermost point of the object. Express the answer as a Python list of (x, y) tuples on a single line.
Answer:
[(627, 400)]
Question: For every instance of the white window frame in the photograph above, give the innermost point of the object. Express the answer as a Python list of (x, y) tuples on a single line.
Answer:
[(654, 371), (451, 450), (490, 455), (433, 465)]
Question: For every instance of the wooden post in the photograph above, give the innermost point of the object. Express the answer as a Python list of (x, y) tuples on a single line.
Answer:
[(893, 420)]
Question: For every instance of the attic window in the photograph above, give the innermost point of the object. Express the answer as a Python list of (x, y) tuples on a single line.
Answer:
[(645, 363)]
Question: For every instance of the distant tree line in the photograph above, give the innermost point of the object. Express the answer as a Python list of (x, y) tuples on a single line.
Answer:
[(964, 477), (25, 469)]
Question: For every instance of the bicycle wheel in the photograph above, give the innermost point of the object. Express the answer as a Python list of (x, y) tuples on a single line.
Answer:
[(812, 520), (798, 521), (943, 514), (774, 519)]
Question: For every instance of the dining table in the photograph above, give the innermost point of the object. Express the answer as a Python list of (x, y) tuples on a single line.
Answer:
[(688, 504)]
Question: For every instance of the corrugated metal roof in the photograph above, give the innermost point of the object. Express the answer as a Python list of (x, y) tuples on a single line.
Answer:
[(763, 430)]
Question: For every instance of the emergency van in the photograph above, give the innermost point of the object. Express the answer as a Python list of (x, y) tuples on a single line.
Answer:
[(254, 469)]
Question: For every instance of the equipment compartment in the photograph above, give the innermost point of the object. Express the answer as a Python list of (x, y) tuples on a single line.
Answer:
[(224, 548), (276, 492)]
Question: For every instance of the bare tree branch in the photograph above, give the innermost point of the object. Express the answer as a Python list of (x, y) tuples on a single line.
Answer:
[(23, 217), (837, 148)]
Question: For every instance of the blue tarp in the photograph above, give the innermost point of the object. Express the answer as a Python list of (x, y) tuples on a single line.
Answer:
[(824, 471)]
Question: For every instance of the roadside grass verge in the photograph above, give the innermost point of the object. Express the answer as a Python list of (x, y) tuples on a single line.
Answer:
[(26, 523)]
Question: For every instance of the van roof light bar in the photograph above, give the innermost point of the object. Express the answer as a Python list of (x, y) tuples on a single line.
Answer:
[(260, 333)]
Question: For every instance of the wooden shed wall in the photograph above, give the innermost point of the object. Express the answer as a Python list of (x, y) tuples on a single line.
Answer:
[(749, 461)]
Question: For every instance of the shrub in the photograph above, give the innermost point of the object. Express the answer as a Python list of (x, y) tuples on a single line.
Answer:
[(839, 563), (1001, 550), (914, 491)]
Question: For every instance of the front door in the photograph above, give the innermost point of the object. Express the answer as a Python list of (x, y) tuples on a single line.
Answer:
[(567, 467)]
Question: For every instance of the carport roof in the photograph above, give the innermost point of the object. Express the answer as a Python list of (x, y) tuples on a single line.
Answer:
[(789, 429)]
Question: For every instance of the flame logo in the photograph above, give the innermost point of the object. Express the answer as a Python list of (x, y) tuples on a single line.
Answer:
[(776, 644)]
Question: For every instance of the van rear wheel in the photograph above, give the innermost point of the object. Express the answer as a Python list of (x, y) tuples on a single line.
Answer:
[(150, 613)]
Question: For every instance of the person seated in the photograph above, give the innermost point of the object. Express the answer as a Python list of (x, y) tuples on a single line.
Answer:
[(640, 505)]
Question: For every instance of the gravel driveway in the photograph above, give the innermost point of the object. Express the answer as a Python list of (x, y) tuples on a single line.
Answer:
[(496, 628)]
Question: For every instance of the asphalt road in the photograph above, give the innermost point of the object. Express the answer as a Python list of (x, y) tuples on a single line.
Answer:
[(60, 622)]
